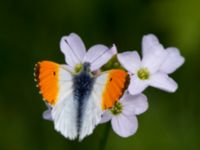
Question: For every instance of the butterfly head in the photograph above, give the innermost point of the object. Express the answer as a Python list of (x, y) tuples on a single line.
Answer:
[(86, 67)]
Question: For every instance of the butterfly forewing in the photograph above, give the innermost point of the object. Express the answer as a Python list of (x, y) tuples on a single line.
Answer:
[(114, 84), (55, 83)]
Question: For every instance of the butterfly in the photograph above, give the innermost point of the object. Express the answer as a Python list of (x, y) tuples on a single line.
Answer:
[(78, 99)]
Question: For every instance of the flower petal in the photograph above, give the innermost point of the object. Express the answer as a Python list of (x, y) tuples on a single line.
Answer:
[(47, 115), (163, 81), (124, 126), (73, 48), (99, 55), (130, 61), (154, 53), (174, 60), (106, 117), (67, 67), (134, 104), (150, 43), (136, 85)]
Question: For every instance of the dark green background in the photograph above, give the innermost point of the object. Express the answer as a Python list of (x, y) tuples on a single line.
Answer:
[(30, 31)]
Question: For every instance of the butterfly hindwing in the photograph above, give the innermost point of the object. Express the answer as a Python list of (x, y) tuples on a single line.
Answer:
[(64, 115)]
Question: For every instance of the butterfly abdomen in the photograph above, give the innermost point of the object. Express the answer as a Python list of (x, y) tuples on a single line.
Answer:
[(83, 84)]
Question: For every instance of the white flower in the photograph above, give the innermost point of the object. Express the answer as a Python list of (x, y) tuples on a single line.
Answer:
[(75, 53), (154, 67), (123, 114)]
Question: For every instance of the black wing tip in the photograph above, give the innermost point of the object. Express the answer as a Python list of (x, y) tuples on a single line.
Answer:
[(36, 71)]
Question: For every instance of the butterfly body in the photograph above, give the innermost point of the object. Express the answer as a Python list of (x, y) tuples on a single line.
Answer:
[(83, 85)]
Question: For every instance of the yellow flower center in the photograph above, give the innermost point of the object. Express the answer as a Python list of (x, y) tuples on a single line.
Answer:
[(117, 108), (143, 74)]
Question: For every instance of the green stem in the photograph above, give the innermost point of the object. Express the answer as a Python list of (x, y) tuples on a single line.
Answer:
[(104, 139)]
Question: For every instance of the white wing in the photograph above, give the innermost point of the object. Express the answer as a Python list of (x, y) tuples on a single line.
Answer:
[(64, 113)]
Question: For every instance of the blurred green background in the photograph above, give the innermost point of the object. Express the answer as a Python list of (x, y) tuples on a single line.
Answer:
[(30, 31)]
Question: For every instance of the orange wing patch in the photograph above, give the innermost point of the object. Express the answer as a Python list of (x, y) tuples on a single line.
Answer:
[(114, 88), (46, 73)]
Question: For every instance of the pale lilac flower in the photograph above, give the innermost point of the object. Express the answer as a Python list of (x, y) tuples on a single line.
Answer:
[(154, 67), (123, 114), (47, 113), (75, 53)]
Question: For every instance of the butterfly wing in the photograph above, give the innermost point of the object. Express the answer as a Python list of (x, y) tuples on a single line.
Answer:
[(56, 86), (107, 89)]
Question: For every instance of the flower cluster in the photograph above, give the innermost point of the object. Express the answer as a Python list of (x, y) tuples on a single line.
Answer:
[(152, 69)]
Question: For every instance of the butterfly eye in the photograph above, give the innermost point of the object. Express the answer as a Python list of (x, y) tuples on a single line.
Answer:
[(110, 79)]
